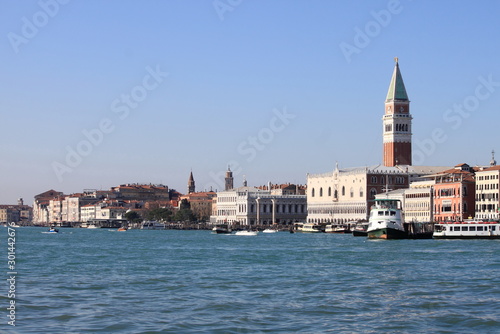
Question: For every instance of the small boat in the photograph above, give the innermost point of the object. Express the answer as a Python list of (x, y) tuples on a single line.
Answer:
[(92, 226), (468, 229), (221, 229), (385, 220), (310, 228), (359, 230), (269, 230), (122, 229), (246, 232), (52, 230), (152, 225), (332, 228)]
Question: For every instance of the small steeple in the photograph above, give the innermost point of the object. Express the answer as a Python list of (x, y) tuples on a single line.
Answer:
[(191, 186), (228, 179), (493, 161), (397, 90)]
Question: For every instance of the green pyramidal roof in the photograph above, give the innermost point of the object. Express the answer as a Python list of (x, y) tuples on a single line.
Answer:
[(397, 90)]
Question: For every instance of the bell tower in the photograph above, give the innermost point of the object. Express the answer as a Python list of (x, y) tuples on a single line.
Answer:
[(397, 122), (191, 185), (229, 179)]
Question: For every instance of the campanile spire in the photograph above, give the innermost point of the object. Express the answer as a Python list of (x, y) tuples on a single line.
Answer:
[(397, 122)]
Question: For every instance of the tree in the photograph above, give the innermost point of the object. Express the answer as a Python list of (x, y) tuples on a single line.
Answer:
[(159, 214), (133, 217)]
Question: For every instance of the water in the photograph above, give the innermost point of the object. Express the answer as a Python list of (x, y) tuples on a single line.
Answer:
[(101, 281)]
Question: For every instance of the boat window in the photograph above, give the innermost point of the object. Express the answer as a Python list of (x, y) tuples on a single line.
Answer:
[(393, 213), (472, 228), (465, 228), (381, 213), (456, 228), (386, 213), (493, 228), (480, 228)]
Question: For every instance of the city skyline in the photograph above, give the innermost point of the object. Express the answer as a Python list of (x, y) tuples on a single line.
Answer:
[(274, 90)]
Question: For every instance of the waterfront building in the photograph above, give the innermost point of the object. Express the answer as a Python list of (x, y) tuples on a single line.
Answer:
[(454, 194), (200, 203), (397, 123), (419, 202), (142, 192), (487, 192), (9, 214), (88, 212), (347, 194), (253, 206), (41, 206)]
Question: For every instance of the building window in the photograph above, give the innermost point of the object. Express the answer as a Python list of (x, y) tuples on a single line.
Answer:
[(343, 191), (320, 192), (329, 191), (374, 179), (312, 192), (352, 192), (373, 192), (361, 192)]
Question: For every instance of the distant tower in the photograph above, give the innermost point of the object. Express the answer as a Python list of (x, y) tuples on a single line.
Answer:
[(397, 122), (20, 201), (493, 161), (191, 187), (229, 179)]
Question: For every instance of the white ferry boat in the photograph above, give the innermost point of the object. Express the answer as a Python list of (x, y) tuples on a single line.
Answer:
[(467, 230), (385, 220)]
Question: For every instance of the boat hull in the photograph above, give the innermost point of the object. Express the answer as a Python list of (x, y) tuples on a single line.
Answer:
[(387, 233), (359, 233)]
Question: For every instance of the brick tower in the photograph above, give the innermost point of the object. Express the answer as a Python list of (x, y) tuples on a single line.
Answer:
[(191, 185), (397, 122)]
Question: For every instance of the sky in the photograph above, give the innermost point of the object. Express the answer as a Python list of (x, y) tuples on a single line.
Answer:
[(94, 94)]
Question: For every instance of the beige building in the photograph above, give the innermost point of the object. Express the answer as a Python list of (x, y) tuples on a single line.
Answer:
[(418, 202), (487, 193), (201, 203)]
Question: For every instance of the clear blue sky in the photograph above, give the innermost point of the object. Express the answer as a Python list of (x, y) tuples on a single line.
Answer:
[(70, 67)]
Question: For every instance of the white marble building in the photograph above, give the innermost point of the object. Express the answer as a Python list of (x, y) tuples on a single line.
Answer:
[(252, 206)]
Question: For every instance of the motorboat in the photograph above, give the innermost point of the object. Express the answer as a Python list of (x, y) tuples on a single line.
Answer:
[(310, 228), (359, 229), (152, 225), (246, 232), (332, 228), (269, 230), (221, 229)]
